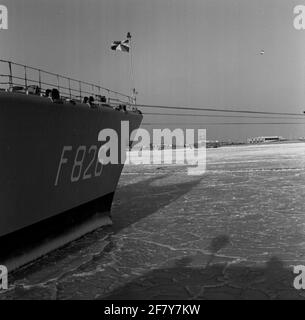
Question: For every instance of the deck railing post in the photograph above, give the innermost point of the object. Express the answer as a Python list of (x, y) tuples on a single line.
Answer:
[(69, 80), (39, 75), (11, 75), (80, 90), (25, 77), (58, 86)]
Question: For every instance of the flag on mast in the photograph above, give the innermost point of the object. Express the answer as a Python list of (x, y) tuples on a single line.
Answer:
[(123, 46)]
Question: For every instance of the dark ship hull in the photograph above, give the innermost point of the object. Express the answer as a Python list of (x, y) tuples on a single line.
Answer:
[(51, 177)]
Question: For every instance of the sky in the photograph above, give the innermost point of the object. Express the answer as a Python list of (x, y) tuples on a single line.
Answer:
[(197, 53)]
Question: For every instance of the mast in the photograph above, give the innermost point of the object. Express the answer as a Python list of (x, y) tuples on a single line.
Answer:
[(133, 89)]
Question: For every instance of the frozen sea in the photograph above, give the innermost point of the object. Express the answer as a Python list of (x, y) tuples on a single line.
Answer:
[(233, 233)]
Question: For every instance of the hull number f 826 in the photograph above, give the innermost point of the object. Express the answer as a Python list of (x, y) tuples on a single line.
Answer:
[(85, 164)]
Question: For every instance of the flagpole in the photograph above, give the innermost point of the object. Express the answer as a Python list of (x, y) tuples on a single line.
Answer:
[(133, 89)]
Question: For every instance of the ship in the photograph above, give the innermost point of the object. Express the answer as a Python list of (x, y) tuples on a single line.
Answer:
[(54, 188)]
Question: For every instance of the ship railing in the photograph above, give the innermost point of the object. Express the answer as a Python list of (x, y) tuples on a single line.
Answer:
[(18, 77)]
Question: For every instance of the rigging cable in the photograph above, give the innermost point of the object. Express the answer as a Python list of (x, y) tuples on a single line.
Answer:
[(225, 123), (218, 116), (220, 110)]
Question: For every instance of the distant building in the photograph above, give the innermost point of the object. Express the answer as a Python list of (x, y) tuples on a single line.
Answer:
[(265, 139)]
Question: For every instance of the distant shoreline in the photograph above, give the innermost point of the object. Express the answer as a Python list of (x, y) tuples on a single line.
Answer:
[(218, 145)]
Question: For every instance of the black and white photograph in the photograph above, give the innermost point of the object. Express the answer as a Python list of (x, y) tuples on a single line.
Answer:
[(152, 152)]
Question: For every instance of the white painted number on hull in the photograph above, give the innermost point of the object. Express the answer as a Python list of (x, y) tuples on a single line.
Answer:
[(85, 163)]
